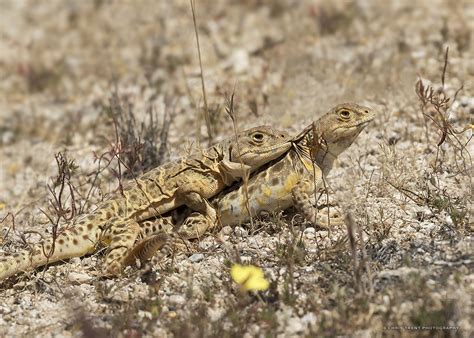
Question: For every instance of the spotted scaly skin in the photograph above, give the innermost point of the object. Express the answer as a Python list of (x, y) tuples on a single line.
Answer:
[(293, 180), (189, 181), (290, 180)]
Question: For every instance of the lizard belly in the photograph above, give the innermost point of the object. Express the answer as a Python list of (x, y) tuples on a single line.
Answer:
[(266, 197)]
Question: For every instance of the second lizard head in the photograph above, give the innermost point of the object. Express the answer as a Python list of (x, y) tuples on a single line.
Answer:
[(334, 132)]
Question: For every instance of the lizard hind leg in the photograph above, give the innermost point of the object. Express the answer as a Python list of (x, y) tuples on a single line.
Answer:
[(303, 199), (329, 216), (147, 248)]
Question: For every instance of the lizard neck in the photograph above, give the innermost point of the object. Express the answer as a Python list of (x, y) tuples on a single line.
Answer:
[(324, 160), (320, 151)]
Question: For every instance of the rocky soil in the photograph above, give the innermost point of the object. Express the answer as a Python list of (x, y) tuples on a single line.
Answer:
[(69, 69)]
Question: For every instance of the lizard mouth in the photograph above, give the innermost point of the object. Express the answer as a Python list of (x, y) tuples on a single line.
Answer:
[(363, 124), (367, 120)]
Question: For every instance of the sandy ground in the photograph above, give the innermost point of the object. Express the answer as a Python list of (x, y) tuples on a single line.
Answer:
[(406, 186)]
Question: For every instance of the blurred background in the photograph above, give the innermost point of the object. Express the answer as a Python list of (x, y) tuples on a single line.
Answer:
[(83, 77), (288, 60)]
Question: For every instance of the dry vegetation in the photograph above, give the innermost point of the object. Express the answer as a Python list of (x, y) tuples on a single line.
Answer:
[(95, 92)]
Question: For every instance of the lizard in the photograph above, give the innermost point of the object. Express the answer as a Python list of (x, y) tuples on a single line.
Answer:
[(294, 179), (189, 181), (290, 180)]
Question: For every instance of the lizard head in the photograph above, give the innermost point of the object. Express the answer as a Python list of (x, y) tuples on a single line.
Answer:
[(339, 127), (259, 145)]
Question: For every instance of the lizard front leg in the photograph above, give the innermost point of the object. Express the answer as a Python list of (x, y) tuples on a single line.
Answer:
[(203, 219)]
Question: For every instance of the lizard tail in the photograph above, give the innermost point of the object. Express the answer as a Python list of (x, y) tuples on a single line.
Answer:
[(73, 242)]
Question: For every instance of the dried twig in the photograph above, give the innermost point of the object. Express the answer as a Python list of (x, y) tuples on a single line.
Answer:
[(437, 102), (229, 108), (352, 241), (206, 109), (58, 210)]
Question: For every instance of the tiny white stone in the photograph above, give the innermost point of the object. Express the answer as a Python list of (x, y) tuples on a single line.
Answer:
[(245, 259), (176, 299), (205, 245), (227, 230), (79, 278), (197, 257), (240, 232), (448, 220), (145, 314)]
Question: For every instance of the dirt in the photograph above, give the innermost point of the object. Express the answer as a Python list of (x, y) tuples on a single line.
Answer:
[(405, 182)]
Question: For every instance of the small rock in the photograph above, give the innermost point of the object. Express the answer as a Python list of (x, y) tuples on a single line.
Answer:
[(75, 260), (309, 230), (245, 259), (240, 61), (197, 257), (215, 314), (120, 295), (79, 278), (240, 232), (227, 230), (309, 319), (7, 137), (448, 220), (294, 326), (205, 245), (19, 285), (145, 314), (176, 299)]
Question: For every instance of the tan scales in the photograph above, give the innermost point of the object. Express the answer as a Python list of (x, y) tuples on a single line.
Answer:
[(189, 181), (291, 180)]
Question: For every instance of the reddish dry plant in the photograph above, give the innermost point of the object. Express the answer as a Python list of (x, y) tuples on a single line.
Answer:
[(62, 205), (435, 106)]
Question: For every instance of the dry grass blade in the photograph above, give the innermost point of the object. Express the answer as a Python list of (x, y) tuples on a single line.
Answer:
[(353, 247), (206, 108), (229, 108)]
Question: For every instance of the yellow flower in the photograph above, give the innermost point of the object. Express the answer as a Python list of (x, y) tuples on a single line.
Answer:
[(249, 277)]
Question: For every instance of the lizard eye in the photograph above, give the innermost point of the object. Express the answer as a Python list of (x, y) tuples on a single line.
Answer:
[(345, 114), (257, 137)]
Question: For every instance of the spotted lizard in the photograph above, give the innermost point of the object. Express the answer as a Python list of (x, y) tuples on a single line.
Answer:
[(294, 179), (189, 181), (290, 180)]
